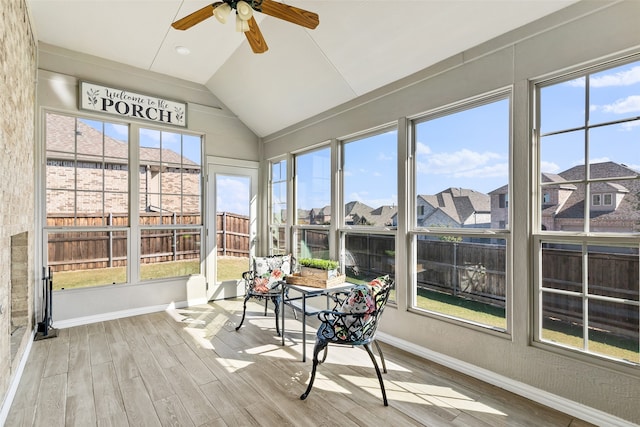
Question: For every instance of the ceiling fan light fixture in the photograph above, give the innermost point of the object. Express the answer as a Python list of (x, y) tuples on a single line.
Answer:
[(241, 25), (244, 10), (222, 12)]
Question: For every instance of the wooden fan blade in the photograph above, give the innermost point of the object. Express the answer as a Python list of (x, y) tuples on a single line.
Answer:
[(254, 37), (290, 13), (195, 17)]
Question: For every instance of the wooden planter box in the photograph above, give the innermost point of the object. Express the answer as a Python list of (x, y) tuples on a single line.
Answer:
[(315, 281), (318, 273)]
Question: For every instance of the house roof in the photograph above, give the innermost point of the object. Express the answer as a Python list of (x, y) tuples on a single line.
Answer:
[(628, 209), (90, 143), (459, 203)]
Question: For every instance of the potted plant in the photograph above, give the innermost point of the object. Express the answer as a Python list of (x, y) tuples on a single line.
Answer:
[(320, 268)]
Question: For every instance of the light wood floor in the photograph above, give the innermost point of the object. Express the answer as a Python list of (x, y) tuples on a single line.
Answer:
[(189, 367)]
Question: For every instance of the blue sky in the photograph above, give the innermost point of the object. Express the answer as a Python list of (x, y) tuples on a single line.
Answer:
[(468, 149)]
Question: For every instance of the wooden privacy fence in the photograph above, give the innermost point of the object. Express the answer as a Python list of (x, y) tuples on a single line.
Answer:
[(474, 270), (86, 250), (477, 272), (232, 234), (614, 275)]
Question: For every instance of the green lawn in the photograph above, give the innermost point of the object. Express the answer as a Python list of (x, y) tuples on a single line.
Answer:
[(462, 308), (229, 268)]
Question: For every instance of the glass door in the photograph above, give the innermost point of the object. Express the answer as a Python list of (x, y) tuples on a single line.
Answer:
[(231, 235)]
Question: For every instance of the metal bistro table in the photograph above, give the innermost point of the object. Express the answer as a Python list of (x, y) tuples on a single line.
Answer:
[(300, 303)]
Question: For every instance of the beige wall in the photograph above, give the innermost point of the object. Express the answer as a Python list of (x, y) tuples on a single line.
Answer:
[(225, 136), (17, 106), (587, 32)]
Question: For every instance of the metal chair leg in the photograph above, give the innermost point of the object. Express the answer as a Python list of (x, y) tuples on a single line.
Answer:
[(276, 310), (320, 345), (244, 311), (375, 365), (384, 366)]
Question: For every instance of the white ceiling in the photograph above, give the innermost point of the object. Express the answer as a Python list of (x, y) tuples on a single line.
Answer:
[(359, 46)]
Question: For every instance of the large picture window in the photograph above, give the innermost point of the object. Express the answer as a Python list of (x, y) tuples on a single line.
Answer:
[(170, 173), (313, 203), (88, 229), (589, 151), (370, 193), (278, 208), (461, 212)]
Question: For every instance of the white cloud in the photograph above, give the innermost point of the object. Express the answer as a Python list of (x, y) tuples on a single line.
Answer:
[(489, 171), (625, 105), (462, 162), (621, 78), (384, 157), (629, 126), (549, 167), (422, 149), (232, 195)]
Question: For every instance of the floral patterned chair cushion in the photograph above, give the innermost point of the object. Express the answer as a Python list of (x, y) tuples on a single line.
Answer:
[(361, 302), (270, 272)]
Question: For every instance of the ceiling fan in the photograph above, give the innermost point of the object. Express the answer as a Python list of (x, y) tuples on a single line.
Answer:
[(245, 21)]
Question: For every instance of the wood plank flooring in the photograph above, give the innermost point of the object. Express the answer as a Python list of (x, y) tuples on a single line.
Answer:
[(189, 367)]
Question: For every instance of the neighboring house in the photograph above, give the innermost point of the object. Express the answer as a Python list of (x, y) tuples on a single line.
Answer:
[(320, 216), (455, 208), (356, 213), (102, 171), (613, 206), (383, 216)]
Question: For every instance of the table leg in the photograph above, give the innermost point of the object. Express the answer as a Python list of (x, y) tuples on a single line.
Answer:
[(282, 312), (304, 327)]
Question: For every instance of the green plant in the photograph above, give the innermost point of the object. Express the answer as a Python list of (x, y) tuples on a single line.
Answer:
[(321, 264)]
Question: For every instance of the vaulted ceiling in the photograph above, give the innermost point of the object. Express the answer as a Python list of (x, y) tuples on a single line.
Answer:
[(359, 46)]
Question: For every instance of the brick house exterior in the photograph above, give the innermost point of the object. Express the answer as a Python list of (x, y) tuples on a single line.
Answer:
[(613, 206), (102, 171)]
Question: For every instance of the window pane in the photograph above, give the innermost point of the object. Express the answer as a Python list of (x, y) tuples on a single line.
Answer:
[(562, 106), (562, 267), (312, 243), (562, 320), (368, 256), (611, 298), (462, 165), (565, 212), (279, 192), (616, 144), (610, 151), (614, 330), (559, 153), (313, 187), (464, 280), (169, 253), (170, 173), (614, 93), (85, 259), (277, 242), (88, 158), (370, 180)]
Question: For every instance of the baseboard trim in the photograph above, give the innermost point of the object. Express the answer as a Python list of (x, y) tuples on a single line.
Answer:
[(78, 321), (13, 387), (542, 397)]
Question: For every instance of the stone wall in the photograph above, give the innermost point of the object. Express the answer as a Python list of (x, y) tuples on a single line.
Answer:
[(17, 112)]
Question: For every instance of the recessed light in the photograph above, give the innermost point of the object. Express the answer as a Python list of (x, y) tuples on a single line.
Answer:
[(183, 50)]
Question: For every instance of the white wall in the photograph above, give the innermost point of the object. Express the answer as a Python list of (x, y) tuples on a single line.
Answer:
[(59, 71), (584, 33)]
